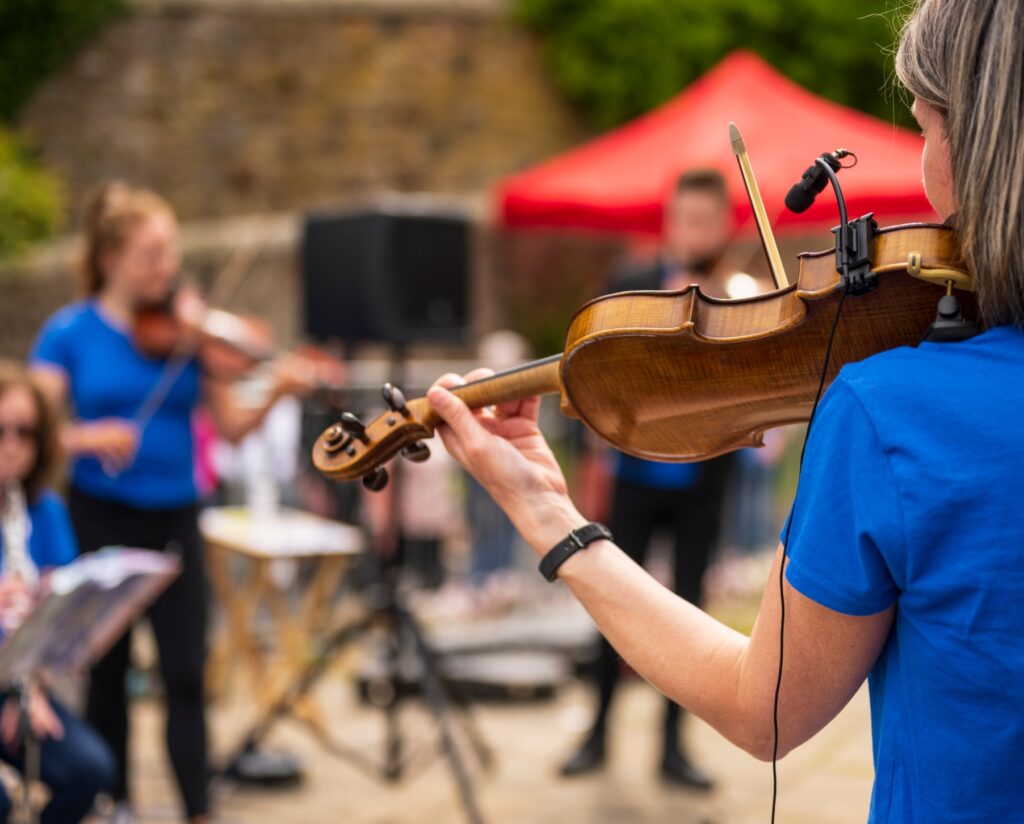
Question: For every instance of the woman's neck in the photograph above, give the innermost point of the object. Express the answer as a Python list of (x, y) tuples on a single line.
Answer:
[(116, 307)]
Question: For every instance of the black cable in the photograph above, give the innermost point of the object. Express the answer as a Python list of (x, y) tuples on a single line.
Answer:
[(838, 190), (785, 549)]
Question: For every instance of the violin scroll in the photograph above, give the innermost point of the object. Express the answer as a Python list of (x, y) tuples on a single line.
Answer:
[(350, 449)]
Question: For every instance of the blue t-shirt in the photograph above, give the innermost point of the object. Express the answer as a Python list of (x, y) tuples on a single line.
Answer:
[(912, 492), (51, 542), (109, 378)]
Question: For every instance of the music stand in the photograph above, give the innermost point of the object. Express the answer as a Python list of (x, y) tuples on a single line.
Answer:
[(83, 609), (385, 608)]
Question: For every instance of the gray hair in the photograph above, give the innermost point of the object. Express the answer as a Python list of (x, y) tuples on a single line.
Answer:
[(966, 59)]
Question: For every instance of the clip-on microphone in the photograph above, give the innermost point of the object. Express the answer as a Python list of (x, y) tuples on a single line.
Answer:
[(853, 238), (853, 242), (813, 182)]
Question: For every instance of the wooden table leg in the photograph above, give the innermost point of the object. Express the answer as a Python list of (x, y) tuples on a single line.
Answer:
[(318, 600), (239, 599), (299, 625)]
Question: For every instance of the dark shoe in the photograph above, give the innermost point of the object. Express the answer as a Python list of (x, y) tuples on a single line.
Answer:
[(587, 758), (677, 769)]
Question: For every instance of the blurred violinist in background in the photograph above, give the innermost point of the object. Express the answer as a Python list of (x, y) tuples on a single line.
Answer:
[(36, 535), (683, 499), (130, 437)]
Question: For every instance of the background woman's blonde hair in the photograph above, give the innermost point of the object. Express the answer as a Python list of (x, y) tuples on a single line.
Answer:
[(965, 58), (112, 213), (48, 454)]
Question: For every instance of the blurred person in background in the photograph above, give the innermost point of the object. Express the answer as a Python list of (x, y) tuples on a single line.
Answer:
[(683, 499), (750, 516), (261, 470), (135, 486), (35, 536), (494, 539), (429, 514)]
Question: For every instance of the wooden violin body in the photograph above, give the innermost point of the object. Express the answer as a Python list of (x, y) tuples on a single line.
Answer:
[(226, 344), (679, 376)]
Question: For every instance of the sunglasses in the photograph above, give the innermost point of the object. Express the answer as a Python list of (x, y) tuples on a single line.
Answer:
[(22, 432)]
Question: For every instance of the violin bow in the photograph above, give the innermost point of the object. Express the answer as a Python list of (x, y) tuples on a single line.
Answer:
[(739, 148)]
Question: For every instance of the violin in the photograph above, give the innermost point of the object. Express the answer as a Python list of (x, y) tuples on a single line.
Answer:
[(227, 345), (680, 376)]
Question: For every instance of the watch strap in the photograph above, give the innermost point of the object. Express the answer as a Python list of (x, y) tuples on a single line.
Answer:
[(570, 545)]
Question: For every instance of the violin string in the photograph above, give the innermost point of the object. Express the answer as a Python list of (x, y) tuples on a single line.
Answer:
[(785, 550)]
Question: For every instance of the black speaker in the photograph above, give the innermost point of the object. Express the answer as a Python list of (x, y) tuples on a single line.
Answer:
[(386, 276)]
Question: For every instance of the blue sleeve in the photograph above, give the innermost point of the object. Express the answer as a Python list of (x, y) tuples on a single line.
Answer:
[(54, 346), (53, 541), (845, 530)]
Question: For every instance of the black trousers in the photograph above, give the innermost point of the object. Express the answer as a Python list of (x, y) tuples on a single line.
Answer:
[(178, 618), (693, 517)]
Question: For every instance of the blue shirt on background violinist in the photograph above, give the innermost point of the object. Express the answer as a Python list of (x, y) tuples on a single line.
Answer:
[(107, 376)]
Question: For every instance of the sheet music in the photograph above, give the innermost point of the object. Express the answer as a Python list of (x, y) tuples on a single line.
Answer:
[(85, 607)]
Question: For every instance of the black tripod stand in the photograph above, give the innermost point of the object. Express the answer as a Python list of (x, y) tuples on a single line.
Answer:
[(404, 639)]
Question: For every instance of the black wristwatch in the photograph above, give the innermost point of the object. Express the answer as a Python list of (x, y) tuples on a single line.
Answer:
[(570, 545)]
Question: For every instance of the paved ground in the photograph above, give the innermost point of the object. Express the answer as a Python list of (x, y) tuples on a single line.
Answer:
[(826, 782)]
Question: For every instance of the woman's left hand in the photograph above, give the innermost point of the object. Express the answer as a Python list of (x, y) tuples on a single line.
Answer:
[(41, 715), (504, 449)]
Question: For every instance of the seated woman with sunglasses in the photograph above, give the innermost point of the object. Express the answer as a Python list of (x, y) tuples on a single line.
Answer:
[(35, 535)]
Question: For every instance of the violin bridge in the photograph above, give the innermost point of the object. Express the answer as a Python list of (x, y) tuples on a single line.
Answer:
[(764, 228)]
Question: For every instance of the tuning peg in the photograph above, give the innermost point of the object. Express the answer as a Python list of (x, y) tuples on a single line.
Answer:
[(334, 435), (376, 480), (416, 452), (353, 426), (395, 399)]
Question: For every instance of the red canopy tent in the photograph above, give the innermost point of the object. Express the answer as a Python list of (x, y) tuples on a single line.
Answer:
[(618, 181)]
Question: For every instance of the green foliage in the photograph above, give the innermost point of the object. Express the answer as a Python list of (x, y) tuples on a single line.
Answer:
[(618, 58), (30, 198), (36, 36)]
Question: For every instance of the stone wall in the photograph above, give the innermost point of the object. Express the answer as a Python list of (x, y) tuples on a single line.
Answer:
[(240, 107)]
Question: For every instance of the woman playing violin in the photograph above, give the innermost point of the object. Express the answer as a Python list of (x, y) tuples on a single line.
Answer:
[(132, 479), (904, 549)]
